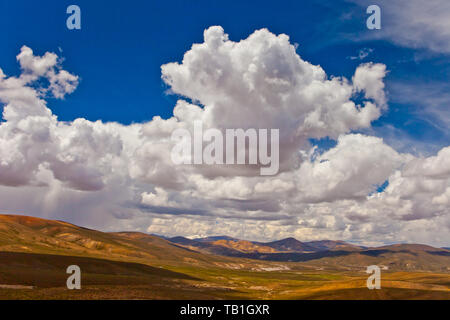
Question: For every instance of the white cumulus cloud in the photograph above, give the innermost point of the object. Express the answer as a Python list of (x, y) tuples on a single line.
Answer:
[(117, 177)]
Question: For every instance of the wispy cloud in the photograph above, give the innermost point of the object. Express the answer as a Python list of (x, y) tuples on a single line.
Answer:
[(431, 101), (362, 54), (413, 23)]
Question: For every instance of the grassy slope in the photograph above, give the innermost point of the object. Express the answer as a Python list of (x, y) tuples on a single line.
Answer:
[(33, 235)]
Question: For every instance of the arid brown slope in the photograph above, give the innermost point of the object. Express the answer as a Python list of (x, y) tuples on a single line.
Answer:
[(130, 265), (327, 254), (244, 246), (34, 235)]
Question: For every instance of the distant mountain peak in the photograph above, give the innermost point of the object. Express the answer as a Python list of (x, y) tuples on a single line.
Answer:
[(215, 238)]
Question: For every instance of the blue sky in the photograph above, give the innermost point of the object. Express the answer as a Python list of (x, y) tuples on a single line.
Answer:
[(122, 44)]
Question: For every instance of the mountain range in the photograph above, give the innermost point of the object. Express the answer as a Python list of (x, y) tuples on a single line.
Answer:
[(398, 256), (34, 253)]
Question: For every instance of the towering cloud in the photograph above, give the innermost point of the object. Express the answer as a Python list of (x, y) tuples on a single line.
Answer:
[(261, 82)]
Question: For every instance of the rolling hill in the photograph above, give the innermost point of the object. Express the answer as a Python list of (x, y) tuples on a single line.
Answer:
[(290, 245), (34, 254), (338, 254), (34, 235), (283, 245)]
